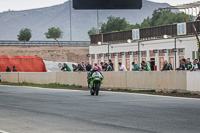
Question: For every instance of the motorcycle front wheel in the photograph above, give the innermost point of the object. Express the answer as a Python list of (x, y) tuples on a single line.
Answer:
[(97, 89)]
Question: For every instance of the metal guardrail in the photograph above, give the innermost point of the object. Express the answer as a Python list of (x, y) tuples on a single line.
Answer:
[(45, 43)]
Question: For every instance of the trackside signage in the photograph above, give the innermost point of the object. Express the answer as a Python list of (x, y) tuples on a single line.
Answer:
[(181, 29), (135, 34)]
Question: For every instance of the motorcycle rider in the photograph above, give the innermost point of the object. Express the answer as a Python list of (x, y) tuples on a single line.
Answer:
[(95, 69)]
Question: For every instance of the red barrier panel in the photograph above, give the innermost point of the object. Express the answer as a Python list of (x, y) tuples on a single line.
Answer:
[(22, 63)]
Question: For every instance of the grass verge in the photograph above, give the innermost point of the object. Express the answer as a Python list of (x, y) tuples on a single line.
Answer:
[(51, 85)]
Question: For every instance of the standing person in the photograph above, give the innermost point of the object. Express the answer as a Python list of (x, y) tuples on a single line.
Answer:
[(84, 66), (8, 69), (122, 67), (14, 69), (105, 67), (102, 65), (88, 67), (135, 67), (99, 68), (145, 66), (80, 68), (111, 64), (167, 66), (74, 68), (66, 68), (182, 65), (108, 67), (197, 66), (189, 65), (194, 66)]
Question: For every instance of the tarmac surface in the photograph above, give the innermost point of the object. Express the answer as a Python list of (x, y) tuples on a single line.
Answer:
[(38, 110)]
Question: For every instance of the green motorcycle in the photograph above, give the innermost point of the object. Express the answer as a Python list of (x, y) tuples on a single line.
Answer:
[(95, 83)]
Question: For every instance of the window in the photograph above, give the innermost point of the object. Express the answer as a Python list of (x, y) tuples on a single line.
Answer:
[(112, 56), (181, 51), (135, 54), (171, 53), (161, 53), (193, 55), (127, 55), (143, 53), (119, 55), (197, 54), (98, 56), (152, 54), (93, 56)]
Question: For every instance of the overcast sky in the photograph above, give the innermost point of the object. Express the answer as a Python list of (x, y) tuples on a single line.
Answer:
[(5, 5)]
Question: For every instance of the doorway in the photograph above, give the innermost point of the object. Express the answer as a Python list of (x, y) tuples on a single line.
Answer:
[(152, 63)]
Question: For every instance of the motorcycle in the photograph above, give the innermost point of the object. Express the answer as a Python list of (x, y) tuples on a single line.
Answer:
[(95, 83)]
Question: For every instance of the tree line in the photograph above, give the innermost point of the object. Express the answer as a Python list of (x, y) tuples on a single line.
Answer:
[(55, 33), (159, 17)]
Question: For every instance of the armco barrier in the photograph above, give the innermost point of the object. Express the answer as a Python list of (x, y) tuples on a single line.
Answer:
[(180, 80)]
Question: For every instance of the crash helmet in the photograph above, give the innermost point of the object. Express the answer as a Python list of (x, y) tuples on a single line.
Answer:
[(95, 68)]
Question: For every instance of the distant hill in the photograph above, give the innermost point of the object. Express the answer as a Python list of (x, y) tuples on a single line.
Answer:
[(39, 20)]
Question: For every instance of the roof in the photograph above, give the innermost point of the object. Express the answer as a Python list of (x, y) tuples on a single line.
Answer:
[(185, 6)]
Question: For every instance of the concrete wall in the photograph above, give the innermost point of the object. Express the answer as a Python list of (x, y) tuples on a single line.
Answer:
[(193, 81), (130, 80), (71, 78), (40, 78), (9, 77), (146, 80)]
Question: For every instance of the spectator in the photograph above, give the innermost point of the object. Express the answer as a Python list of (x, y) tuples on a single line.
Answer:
[(74, 68), (84, 66), (167, 66), (194, 68), (102, 66), (80, 68), (135, 67), (88, 67), (145, 66), (99, 68), (197, 66), (108, 67), (65, 68), (8, 69), (182, 65), (111, 64), (189, 65), (14, 69), (105, 67), (122, 67)]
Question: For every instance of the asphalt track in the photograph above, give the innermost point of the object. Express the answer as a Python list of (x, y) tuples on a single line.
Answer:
[(37, 110)]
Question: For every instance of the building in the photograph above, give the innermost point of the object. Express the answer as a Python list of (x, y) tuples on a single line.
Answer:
[(146, 45)]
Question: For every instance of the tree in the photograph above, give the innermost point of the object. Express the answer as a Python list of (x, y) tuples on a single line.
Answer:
[(159, 17), (93, 31), (24, 35), (114, 24), (54, 33)]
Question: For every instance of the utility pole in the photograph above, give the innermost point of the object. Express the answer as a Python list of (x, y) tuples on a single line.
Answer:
[(98, 21), (70, 15)]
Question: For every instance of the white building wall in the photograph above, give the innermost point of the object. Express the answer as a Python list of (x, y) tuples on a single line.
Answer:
[(189, 43)]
